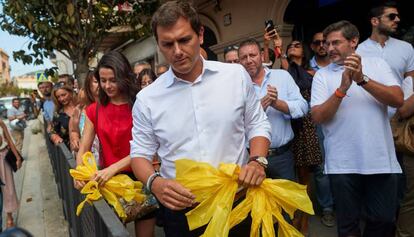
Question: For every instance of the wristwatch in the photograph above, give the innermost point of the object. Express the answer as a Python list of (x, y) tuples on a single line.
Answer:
[(364, 81), (261, 160)]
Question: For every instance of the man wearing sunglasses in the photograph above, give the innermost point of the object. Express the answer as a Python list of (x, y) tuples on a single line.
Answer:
[(320, 58), (400, 56), (231, 55)]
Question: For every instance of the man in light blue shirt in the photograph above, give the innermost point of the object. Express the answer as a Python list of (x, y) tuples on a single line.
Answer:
[(201, 110), (282, 101), (45, 88)]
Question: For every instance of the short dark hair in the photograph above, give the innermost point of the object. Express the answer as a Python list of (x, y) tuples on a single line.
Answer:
[(70, 78), (348, 30), (249, 41), (169, 12), (379, 9), (124, 76), (230, 48), (14, 99)]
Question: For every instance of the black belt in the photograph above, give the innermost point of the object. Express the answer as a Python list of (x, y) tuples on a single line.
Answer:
[(280, 150)]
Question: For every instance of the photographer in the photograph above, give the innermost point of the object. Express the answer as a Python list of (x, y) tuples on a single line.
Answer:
[(17, 119)]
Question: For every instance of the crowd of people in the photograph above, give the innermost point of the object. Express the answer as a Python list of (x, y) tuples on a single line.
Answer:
[(325, 116)]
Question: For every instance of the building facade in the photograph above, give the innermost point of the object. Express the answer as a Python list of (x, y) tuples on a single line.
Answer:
[(26, 81), (4, 67)]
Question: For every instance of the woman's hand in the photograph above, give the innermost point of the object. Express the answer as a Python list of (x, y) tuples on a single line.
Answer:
[(102, 176), (18, 162), (78, 184), (74, 143), (56, 139)]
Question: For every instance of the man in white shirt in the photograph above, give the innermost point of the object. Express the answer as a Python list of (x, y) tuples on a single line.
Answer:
[(282, 101), (384, 19), (198, 109), (350, 99), (17, 119)]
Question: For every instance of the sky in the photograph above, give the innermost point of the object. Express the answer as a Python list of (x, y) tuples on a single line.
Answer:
[(10, 43)]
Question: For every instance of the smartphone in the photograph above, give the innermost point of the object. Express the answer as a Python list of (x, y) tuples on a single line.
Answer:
[(269, 26)]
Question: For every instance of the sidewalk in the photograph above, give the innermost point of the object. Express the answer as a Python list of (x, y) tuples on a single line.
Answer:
[(40, 209)]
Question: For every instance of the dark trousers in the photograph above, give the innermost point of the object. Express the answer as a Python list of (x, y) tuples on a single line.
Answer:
[(377, 194), (281, 166), (175, 225)]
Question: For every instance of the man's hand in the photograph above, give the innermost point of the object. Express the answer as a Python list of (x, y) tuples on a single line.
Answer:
[(352, 63), (172, 194), (272, 92), (102, 176), (252, 174), (266, 101)]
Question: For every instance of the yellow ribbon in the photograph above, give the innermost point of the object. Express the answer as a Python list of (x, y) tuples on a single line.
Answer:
[(215, 190), (119, 186)]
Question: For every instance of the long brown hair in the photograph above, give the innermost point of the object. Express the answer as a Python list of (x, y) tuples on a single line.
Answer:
[(87, 88), (124, 76)]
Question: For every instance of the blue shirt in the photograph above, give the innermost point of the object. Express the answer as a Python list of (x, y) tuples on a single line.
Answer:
[(48, 109), (208, 120), (289, 92)]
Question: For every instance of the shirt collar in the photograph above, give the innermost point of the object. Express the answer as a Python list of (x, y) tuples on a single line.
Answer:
[(377, 43), (313, 63), (172, 78), (335, 67)]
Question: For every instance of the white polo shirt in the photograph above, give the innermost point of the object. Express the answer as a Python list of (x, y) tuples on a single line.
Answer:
[(210, 120), (398, 54), (358, 139)]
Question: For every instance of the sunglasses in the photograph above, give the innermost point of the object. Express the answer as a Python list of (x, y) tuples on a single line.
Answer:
[(296, 45), (230, 48), (319, 42), (392, 16), (59, 85)]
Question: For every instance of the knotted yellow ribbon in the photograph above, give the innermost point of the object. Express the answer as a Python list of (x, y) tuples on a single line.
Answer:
[(215, 190), (119, 186)]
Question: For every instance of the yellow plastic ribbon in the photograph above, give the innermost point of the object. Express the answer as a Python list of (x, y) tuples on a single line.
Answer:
[(215, 190), (119, 186)]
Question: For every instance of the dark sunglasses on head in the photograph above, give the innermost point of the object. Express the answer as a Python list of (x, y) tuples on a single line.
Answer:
[(59, 85), (318, 42), (392, 16), (296, 45), (230, 48)]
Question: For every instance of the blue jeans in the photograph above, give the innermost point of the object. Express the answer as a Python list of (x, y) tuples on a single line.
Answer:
[(376, 193), (322, 183), (281, 166)]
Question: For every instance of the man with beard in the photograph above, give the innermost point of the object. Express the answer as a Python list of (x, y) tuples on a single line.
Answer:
[(349, 99), (400, 56), (47, 105), (320, 58), (281, 100), (397, 53)]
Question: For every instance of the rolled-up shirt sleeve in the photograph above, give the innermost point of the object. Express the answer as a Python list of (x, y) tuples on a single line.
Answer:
[(143, 143), (255, 120), (298, 106)]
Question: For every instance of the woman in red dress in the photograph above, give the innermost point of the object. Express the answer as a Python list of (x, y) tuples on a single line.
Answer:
[(111, 120)]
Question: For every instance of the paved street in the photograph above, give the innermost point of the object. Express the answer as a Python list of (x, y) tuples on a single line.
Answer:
[(41, 209)]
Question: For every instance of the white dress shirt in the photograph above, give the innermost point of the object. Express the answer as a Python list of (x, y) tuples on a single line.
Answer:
[(358, 138), (289, 92), (209, 120)]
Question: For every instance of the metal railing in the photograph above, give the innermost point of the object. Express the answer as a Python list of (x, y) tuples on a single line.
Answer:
[(96, 220)]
